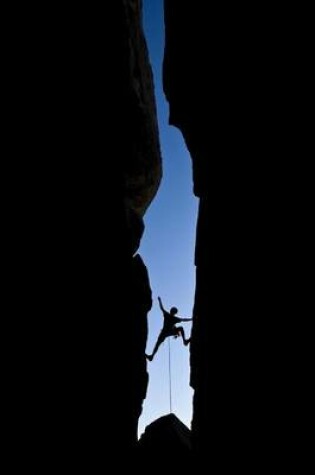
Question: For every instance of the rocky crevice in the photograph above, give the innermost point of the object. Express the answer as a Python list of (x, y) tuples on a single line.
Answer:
[(185, 88), (141, 171)]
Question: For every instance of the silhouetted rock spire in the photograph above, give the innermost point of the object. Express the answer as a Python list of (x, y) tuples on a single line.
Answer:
[(166, 435)]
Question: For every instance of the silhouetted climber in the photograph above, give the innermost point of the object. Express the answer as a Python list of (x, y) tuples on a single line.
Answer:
[(169, 328)]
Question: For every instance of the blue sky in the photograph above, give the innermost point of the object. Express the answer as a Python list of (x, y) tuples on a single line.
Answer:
[(167, 246)]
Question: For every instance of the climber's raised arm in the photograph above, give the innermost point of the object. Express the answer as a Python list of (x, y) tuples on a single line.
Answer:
[(161, 305)]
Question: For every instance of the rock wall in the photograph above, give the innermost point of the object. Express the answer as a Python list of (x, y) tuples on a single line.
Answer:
[(186, 90), (101, 170), (84, 128), (228, 94), (141, 173), (86, 99), (228, 83), (167, 435), (142, 160)]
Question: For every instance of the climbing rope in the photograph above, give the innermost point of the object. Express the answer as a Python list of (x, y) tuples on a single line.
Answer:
[(169, 372)]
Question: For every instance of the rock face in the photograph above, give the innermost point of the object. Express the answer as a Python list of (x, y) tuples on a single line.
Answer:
[(93, 112), (227, 91), (140, 176), (85, 110), (166, 436), (98, 285), (185, 88), (142, 160), (139, 305)]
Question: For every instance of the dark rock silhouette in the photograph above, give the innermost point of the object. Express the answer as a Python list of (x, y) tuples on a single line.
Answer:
[(138, 122), (86, 117), (97, 141), (139, 306), (164, 437), (227, 94), (139, 174)]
